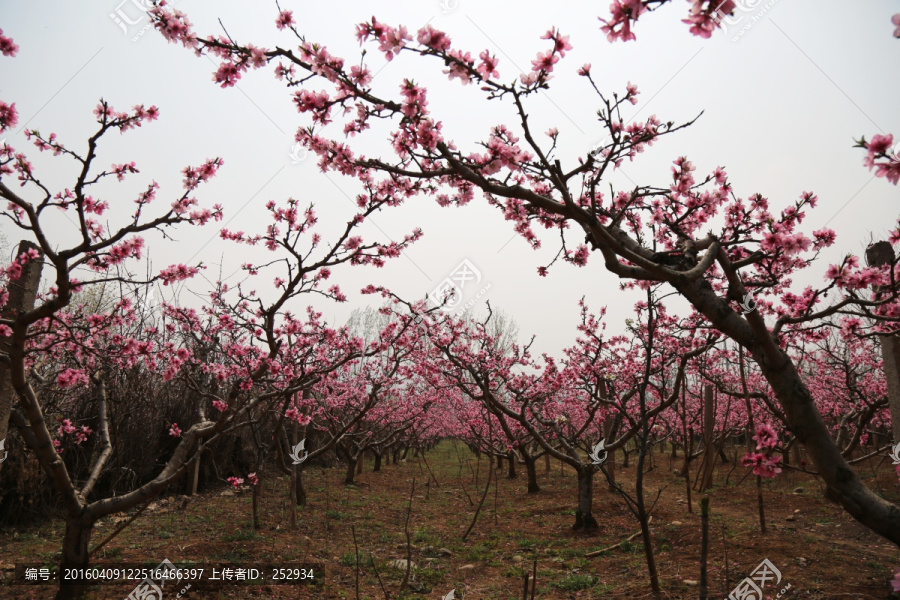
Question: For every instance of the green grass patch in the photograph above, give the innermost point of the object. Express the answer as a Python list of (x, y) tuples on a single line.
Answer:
[(480, 551), (349, 559), (242, 535), (576, 581)]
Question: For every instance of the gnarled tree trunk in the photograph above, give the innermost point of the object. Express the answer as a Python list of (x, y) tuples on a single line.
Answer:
[(843, 485), (351, 470), (75, 552)]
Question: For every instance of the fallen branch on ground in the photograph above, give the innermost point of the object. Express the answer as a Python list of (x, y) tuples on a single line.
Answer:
[(613, 547)]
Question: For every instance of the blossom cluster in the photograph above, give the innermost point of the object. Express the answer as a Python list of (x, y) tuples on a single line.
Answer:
[(764, 463)]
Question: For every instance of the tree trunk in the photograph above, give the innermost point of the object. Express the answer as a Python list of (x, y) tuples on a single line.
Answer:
[(642, 515), (531, 470), (256, 506), (688, 454), (359, 463), (704, 546), (688, 448), (721, 451), (351, 470), (759, 502), (293, 496), (22, 293), (584, 516), (648, 551), (842, 483), (75, 554), (878, 255), (511, 472), (610, 429), (377, 466), (195, 480), (709, 448), (300, 490)]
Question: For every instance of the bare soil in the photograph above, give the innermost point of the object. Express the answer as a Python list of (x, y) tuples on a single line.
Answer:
[(820, 551)]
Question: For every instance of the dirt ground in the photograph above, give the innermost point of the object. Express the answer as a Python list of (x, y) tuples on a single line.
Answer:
[(819, 550)]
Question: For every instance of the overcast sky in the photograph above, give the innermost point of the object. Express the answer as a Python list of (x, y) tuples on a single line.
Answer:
[(782, 106)]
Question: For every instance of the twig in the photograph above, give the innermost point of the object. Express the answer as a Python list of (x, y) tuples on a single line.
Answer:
[(378, 576), (534, 577), (425, 460), (459, 458), (419, 464), (481, 502), (327, 500), (463, 488), (759, 502), (496, 493), (613, 547), (725, 545), (408, 545), (704, 546), (120, 528), (356, 549), (477, 470)]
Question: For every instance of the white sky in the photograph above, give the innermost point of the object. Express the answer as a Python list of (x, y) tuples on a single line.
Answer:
[(782, 107)]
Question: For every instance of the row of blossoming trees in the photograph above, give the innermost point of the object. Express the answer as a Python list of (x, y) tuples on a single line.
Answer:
[(254, 362), (690, 234)]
